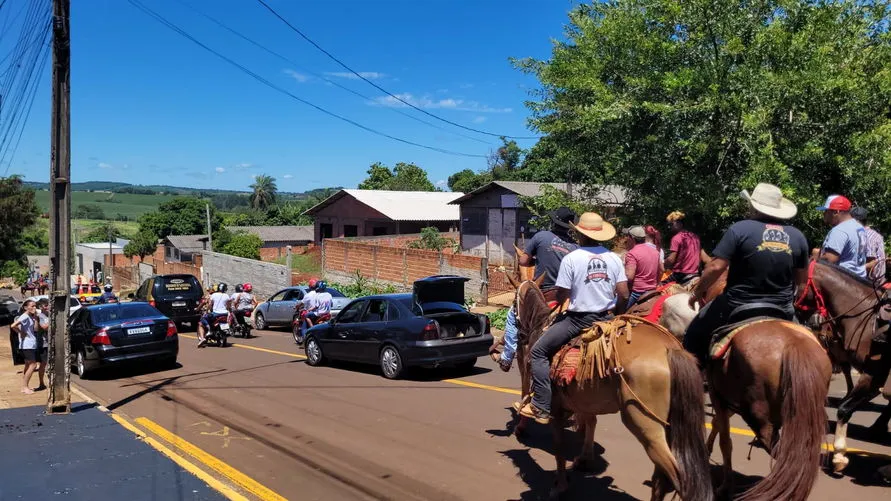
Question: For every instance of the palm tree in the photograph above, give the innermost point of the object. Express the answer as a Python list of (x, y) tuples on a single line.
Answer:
[(264, 192)]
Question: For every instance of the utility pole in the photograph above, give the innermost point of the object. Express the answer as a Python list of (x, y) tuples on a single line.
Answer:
[(209, 235), (59, 400), (110, 254)]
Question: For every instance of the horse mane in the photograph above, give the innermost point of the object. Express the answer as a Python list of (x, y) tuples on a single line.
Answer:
[(844, 272), (533, 312)]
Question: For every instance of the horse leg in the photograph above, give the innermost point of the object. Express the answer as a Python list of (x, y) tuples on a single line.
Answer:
[(880, 427), (585, 461), (862, 393), (846, 370), (561, 482), (721, 428), (652, 436), (520, 358)]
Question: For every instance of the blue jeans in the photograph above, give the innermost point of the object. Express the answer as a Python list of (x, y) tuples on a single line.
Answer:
[(510, 337)]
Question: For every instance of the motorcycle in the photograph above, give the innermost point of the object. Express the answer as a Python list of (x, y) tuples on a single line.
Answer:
[(242, 330), (219, 331), (300, 320)]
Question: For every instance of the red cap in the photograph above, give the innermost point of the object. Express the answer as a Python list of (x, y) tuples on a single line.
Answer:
[(836, 202)]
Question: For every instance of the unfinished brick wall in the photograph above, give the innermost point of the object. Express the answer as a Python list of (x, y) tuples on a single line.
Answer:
[(341, 259)]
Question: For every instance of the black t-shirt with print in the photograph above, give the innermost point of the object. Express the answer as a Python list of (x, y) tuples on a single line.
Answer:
[(548, 250), (763, 258)]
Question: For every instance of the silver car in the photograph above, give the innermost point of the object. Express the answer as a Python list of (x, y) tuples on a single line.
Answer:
[(279, 309)]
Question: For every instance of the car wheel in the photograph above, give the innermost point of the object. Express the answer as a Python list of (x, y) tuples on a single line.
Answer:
[(391, 362), (466, 365), (314, 355), (81, 364), (260, 321)]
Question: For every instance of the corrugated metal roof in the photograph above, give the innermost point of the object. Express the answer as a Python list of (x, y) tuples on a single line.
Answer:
[(607, 194), (277, 233), (188, 243), (402, 205)]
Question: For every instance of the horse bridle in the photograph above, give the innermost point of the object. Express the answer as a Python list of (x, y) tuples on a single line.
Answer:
[(823, 311)]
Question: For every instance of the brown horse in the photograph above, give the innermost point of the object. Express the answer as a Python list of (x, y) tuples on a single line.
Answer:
[(658, 394), (849, 305)]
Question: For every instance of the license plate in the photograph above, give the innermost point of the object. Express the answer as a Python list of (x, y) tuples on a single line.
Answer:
[(179, 304), (224, 326), (141, 330)]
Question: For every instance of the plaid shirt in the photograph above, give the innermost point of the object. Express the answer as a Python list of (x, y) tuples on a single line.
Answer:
[(875, 248)]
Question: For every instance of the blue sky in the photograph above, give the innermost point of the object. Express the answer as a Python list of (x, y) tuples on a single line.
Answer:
[(150, 107)]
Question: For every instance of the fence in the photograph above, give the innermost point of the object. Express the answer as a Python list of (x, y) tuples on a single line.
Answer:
[(341, 259)]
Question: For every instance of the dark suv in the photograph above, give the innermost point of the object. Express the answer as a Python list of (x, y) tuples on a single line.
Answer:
[(176, 296)]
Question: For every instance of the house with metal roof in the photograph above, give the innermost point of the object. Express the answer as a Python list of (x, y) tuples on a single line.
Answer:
[(180, 248), (493, 218), (358, 213), (277, 239)]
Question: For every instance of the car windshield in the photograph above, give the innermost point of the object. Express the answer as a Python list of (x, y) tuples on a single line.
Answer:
[(121, 312), (177, 286)]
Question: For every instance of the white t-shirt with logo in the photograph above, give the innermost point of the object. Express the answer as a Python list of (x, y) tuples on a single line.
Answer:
[(591, 275), (218, 302), (309, 300)]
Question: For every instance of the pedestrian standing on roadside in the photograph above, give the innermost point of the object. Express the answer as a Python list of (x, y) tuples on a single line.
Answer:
[(26, 326), (43, 307)]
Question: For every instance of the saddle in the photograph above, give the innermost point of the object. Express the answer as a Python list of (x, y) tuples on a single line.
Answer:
[(744, 316), (593, 352)]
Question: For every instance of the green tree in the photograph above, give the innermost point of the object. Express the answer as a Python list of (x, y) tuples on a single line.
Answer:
[(550, 199), (88, 211), (180, 216), (264, 192), (142, 244), (431, 239), (506, 160), (466, 180), (245, 245), (685, 103), (403, 177), (18, 211), (103, 233)]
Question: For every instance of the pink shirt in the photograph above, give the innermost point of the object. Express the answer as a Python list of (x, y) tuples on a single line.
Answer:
[(687, 247), (644, 258)]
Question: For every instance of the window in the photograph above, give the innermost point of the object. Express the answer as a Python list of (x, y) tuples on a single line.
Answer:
[(350, 230), (352, 313), (278, 296), (326, 230), (376, 312), (293, 295)]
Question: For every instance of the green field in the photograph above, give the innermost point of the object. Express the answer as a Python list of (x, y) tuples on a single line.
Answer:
[(116, 206)]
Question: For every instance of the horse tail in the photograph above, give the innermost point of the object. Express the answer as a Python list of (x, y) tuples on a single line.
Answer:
[(804, 388), (686, 420)]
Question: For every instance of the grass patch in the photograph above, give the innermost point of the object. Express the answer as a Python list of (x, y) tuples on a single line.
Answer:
[(303, 263), (127, 206)]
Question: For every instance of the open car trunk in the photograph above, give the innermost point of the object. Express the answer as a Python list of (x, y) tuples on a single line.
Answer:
[(441, 298)]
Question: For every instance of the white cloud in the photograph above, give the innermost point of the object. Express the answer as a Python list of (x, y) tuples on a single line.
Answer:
[(466, 86), (427, 102), (220, 170), (479, 120), (371, 75), (103, 165), (441, 183), (300, 77), (287, 176)]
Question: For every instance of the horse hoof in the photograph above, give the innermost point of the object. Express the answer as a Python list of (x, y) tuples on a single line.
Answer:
[(839, 463)]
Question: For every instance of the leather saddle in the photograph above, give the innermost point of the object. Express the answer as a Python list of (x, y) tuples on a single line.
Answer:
[(759, 309)]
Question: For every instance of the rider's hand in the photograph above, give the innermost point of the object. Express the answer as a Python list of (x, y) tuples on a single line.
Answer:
[(694, 301)]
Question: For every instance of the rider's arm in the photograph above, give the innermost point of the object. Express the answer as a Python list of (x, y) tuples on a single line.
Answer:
[(670, 258), (833, 246), (830, 256), (622, 294), (800, 280), (704, 257), (713, 270)]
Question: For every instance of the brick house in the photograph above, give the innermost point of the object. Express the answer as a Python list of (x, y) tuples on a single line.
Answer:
[(359, 213), (493, 219), (276, 239)]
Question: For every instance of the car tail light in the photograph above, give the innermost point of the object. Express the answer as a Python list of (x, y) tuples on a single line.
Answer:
[(171, 328), (101, 337), (152, 303), (430, 332)]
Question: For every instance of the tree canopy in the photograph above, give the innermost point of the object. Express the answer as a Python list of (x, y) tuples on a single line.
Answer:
[(245, 245), (264, 193), (687, 102), (18, 211), (180, 216), (142, 244), (403, 177)]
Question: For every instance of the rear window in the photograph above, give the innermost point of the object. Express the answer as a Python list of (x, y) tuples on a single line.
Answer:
[(411, 305), (177, 286), (122, 312), (334, 292)]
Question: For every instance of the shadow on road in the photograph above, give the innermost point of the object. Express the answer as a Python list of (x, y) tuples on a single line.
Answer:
[(411, 374), (863, 469)]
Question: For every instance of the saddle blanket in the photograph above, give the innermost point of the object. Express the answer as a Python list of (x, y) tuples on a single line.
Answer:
[(722, 337)]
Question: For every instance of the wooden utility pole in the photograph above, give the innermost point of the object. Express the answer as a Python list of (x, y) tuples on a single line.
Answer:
[(60, 213), (209, 234)]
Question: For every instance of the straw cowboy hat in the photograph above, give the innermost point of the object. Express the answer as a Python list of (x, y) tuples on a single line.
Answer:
[(593, 226), (768, 200)]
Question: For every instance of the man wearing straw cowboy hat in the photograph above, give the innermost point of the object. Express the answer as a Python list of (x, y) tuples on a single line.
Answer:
[(766, 258), (593, 279)]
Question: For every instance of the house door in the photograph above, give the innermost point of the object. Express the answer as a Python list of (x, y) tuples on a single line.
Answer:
[(494, 237), (509, 235)]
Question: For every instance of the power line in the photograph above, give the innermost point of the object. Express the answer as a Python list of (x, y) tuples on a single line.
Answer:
[(164, 21), (378, 87), (318, 75)]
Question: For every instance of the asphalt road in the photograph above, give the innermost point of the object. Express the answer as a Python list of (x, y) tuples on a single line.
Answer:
[(345, 432)]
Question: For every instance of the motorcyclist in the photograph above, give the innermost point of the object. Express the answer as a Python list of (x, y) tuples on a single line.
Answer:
[(310, 303), (324, 300), (242, 302), (218, 305), (108, 296)]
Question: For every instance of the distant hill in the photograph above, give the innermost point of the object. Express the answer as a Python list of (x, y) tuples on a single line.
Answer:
[(139, 189)]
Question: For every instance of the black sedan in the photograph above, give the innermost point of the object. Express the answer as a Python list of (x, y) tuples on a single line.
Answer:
[(397, 331), (121, 333)]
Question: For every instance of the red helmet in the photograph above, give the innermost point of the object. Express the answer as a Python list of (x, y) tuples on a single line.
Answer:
[(248, 287), (312, 283)]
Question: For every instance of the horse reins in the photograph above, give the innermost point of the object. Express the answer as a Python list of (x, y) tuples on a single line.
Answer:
[(820, 301)]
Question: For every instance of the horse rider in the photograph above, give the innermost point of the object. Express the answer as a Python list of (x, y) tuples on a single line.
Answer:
[(547, 248), (875, 247), (593, 279), (684, 252), (846, 243), (767, 258), (643, 263)]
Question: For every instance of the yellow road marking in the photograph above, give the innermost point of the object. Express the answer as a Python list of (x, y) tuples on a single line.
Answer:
[(182, 462), (214, 463), (511, 391)]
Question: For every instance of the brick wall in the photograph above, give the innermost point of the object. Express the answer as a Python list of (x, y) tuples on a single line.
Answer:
[(341, 259)]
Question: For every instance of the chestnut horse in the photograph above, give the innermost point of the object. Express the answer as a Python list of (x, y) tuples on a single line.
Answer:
[(658, 394), (849, 306)]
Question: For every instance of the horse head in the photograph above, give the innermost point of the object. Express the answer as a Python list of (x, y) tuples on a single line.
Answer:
[(532, 310)]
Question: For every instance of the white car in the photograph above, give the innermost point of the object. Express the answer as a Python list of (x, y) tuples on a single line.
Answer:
[(73, 302)]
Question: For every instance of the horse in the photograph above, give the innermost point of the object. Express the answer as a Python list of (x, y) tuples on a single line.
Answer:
[(848, 306), (658, 393)]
